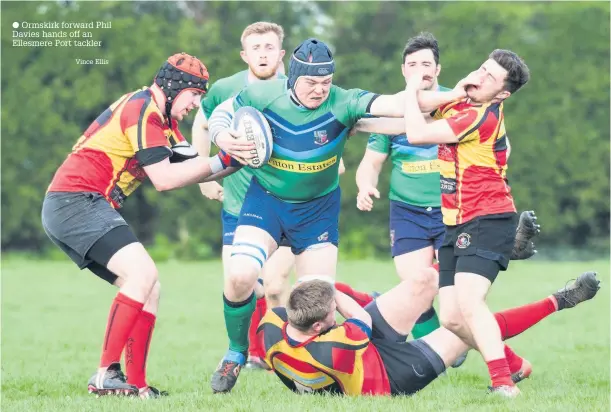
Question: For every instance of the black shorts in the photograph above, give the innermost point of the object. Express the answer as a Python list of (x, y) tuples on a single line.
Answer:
[(86, 228), (482, 246), (410, 366)]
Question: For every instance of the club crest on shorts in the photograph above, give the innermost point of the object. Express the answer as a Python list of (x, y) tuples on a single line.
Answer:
[(463, 241), (324, 237), (320, 137)]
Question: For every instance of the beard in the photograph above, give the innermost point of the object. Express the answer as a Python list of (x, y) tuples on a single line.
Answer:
[(265, 73)]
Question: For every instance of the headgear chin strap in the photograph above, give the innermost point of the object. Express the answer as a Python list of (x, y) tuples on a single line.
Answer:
[(310, 58)]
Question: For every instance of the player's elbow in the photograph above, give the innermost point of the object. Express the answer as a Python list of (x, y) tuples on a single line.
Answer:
[(162, 184), (162, 179), (416, 137)]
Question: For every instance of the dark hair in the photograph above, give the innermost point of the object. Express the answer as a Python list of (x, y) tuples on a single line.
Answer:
[(422, 41), (517, 71)]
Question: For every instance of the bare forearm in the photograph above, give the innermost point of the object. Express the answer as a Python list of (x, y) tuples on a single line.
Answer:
[(414, 120), (383, 125), (349, 309), (429, 100), (197, 170), (367, 175)]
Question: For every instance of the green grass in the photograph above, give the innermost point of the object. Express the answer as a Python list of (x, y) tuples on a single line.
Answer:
[(53, 320)]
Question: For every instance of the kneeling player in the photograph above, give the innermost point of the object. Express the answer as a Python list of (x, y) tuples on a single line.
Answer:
[(367, 354)]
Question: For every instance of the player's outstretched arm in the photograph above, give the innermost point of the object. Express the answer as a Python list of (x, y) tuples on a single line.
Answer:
[(381, 125), (417, 128), (349, 309), (394, 105), (168, 176)]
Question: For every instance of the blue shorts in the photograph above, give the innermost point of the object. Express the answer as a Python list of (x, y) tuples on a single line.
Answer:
[(303, 224), (414, 227), (230, 223)]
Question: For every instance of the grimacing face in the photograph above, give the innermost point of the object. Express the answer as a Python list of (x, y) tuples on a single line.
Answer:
[(263, 53), (422, 61), (491, 83), (186, 101), (312, 91)]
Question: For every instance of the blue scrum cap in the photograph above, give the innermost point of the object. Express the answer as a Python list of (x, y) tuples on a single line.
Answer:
[(310, 58)]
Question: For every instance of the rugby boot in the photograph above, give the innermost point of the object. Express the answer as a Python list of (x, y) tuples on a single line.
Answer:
[(111, 382), (523, 247), (583, 288)]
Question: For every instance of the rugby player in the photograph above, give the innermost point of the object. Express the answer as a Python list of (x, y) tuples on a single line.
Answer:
[(296, 194), (477, 205), (262, 52), (135, 137), (416, 223), (416, 226), (367, 354)]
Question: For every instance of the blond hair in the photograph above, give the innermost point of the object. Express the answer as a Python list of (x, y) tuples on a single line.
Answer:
[(308, 303), (262, 27)]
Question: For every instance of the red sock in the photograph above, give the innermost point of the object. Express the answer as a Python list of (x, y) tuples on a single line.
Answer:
[(254, 345), (361, 298), (499, 372), (137, 349), (514, 321), (121, 319), (513, 360)]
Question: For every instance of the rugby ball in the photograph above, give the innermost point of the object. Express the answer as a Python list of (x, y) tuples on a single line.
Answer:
[(253, 127)]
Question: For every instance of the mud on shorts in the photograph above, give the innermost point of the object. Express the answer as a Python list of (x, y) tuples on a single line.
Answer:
[(86, 228), (410, 366)]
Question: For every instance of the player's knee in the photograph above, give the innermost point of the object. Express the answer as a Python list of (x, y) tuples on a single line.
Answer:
[(146, 277), (243, 273), (273, 292), (426, 282), (469, 305), (452, 321)]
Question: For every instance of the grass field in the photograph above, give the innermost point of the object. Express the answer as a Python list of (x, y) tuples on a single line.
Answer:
[(53, 320)]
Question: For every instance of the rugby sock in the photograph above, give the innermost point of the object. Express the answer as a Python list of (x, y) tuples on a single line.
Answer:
[(361, 298), (123, 315), (513, 360), (137, 349), (237, 321), (514, 321), (499, 372), (426, 323), (255, 348)]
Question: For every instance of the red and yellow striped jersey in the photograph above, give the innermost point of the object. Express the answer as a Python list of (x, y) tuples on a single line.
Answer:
[(341, 360), (473, 171), (108, 158)]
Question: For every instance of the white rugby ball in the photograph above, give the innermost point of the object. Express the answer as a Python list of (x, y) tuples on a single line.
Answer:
[(253, 127)]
